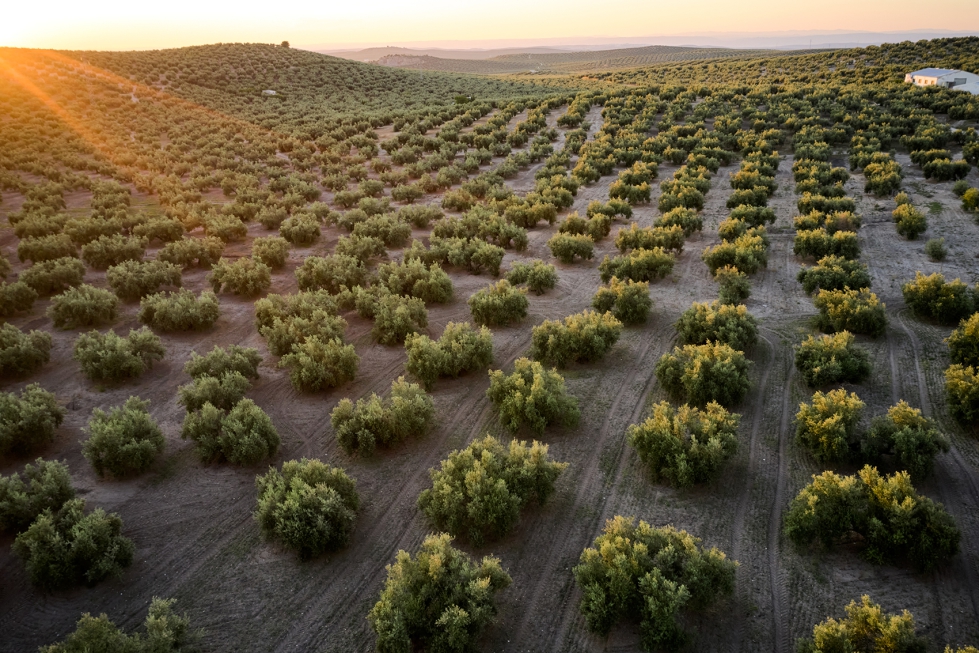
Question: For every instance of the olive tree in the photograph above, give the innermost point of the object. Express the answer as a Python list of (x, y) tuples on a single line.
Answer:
[(374, 422), (832, 359), (533, 396), (124, 441), (700, 374), (28, 421)]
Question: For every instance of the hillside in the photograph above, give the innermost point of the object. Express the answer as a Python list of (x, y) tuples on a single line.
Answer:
[(373, 54)]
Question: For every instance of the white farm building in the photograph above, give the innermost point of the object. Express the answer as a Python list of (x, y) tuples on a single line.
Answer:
[(957, 80)]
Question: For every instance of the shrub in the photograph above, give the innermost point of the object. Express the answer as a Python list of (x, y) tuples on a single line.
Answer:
[(227, 228), (478, 492), (331, 273), (970, 201), (419, 216), (123, 441), (962, 390), (857, 311), (910, 221), (223, 391), (865, 629), (834, 273), (415, 279), (87, 229), (460, 349), (66, 547), (819, 243), (538, 276), (306, 317), (688, 220), (16, 297), (373, 422), (271, 250), (935, 249), (83, 306), (668, 238), (164, 230), (188, 252), (45, 248), (584, 337), (301, 229), (911, 438), (106, 357), (746, 253), (106, 251), (650, 573), (360, 247), (218, 361), (638, 265), (567, 247), (686, 445), (23, 353), (716, 322), (54, 276), (532, 396), (243, 436), (628, 301), (828, 425), (895, 522), (245, 276), (386, 228), (733, 285), (700, 374), (165, 631), (933, 298), (832, 359), (395, 316), (132, 280), (45, 485), (963, 343), (316, 364), (753, 216), (438, 600), (500, 304), (945, 169), (28, 422), (179, 311), (309, 506)]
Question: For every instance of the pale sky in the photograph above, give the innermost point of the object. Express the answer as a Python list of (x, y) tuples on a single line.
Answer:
[(137, 24)]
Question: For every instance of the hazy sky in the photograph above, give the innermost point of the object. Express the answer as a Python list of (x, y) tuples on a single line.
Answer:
[(138, 24)]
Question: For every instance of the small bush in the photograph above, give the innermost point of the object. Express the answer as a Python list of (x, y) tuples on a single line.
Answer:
[(686, 445), (28, 421), (437, 600), (700, 374), (223, 391), (834, 273), (66, 547), (733, 285), (108, 358), (500, 304), (866, 629), (245, 276), (717, 322), (963, 343), (164, 230), (271, 250), (832, 359), (935, 249), (46, 248), (220, 360), (243, 436), (584, 337), (83, 306), (819, 243), (962, 391), (23, 353), (910, 221), (132, 280), (478, 492), (746, 253), (373, 422), (567, 247), (106, 251), (910, 438), (415, 279), (227, 228), (625, 575), (16, 297), (331, 273), (638, 265), (828, 425), (316, 364), (179, 311), (45, 485), (395, 316), (309, 506), (165, 631), (627, 300), (460, 349), (191, 252), (970, 201), (857, 311), (933, 298), (688, 220), (532, 396), (301, 229), (668, 238), (360, 247), (124, 441), (54, 276), (538, 276)]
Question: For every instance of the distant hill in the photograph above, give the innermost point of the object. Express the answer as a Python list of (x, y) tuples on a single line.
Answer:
[(373, 54)]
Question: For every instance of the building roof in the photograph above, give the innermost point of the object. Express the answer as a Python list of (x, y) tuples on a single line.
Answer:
[(972, 87), (933, 72)]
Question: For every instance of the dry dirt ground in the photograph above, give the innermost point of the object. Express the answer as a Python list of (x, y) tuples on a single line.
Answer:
[(196, 540)]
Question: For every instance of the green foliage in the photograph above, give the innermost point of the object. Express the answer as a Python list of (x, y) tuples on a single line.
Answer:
[(896, 523), (819, 243), (970, 200), (45, 248), (567, 247), (733, 285), (83, 306), (360, 247), (373, 422), (438, 600), (316, 364), (271, 250), (500, 304), (66, 547), (933, 298), (638, 265), (935, 249), (533, 396), (16, 297), (108, 358), (309, 506), (459, 349), (165, 631), (244, 276), (832, 359), (124, 441), (164, 230), (218, 361), (700, 374), (287, 320), (54, 276), (584, 337), (627, 300), (415, 279), (301, 229), (717, 322), (28, 422), (962, 391), (180, 310), (223, 391), (649, 574), (668, 238), (23, 353), (395, 316), (828, 425), (190, 252), (746, 253), (912, 439), (687, 219), (538, 276), (686, 445), (910, 221), (331, 273), (834, 273), (478, 492), (243, 436), (132, 280), (227, 228), (866, 629), (106, 251), (45, 485), (857, 311)]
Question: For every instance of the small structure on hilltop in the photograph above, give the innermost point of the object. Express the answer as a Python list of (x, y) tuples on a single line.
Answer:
[(268, 92), (957, 80)]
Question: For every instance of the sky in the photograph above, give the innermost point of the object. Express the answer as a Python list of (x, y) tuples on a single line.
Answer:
[(140, 25)]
